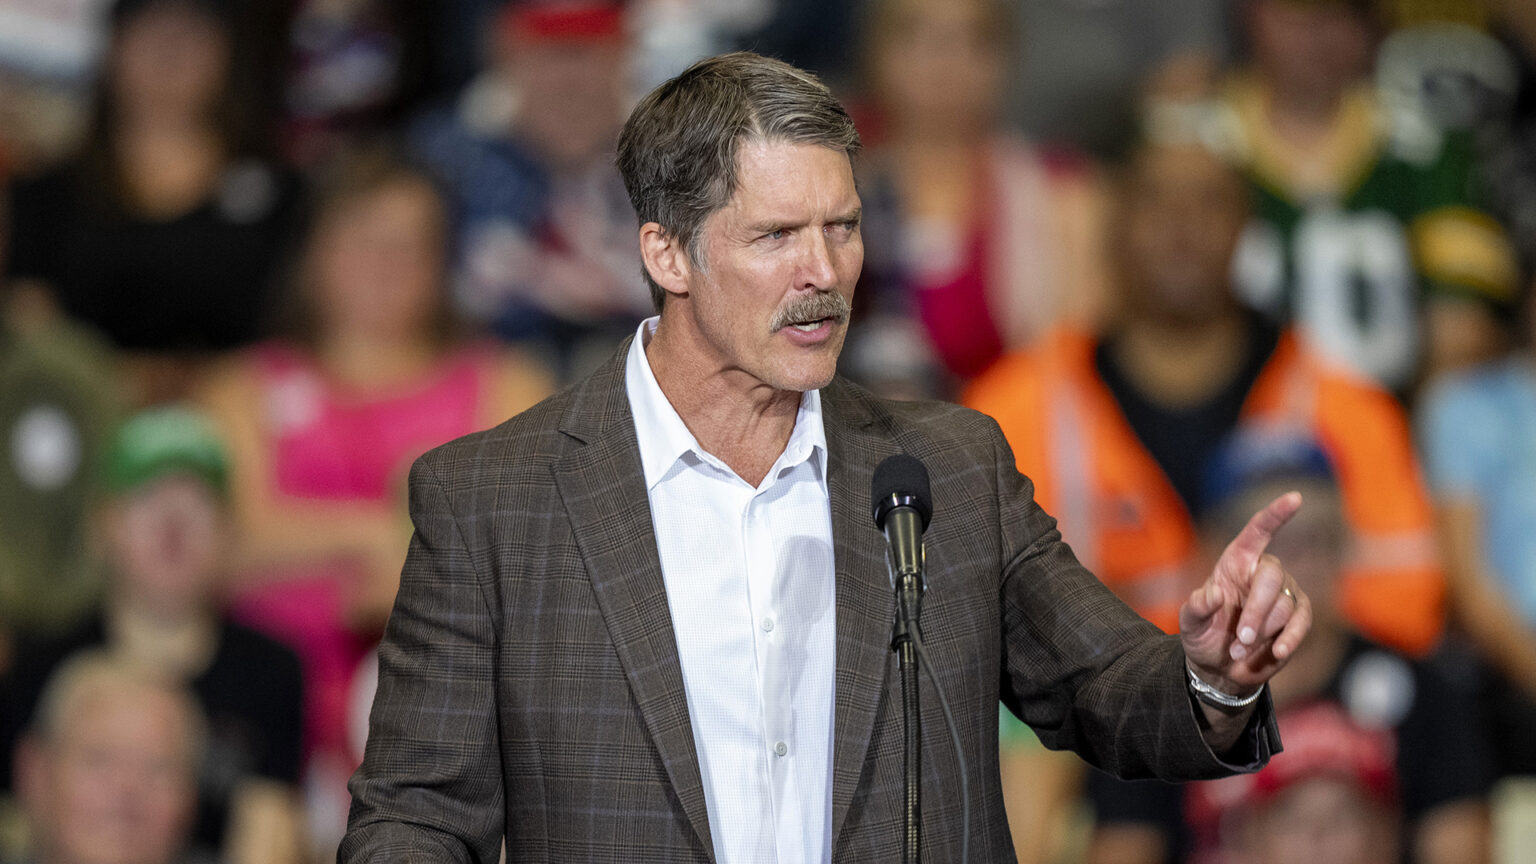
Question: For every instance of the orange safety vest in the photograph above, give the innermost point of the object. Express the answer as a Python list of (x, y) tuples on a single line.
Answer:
[(1124, 520)]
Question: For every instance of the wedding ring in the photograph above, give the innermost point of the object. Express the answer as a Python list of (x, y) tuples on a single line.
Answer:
[(1291, 594)]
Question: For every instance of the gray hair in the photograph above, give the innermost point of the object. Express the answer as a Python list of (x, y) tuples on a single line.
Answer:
[(677, 152), (96, 673)]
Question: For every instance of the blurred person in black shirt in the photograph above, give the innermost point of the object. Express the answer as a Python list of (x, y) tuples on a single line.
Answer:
[(163, 231)]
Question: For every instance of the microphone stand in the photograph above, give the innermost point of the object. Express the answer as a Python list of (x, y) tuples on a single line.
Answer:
[(909, 603)]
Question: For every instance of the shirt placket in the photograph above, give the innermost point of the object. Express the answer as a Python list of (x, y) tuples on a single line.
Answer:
[(778, 731)]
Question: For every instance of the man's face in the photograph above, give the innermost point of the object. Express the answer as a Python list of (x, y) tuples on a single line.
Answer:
[(116, 787), (1323, 821), (777, 265), (572, 98), (377, 262), (941, 64), (172, 56), (1183, 213), (1309, 48), (166, 540)]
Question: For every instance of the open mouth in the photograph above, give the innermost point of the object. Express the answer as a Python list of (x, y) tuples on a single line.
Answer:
[(813, 313)]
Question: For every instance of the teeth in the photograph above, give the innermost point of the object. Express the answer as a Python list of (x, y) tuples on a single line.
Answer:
[(807, 326)]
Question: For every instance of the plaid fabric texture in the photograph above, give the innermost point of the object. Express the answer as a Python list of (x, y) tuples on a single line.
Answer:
[(530, 684)]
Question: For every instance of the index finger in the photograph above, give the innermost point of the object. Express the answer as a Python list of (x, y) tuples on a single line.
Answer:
[(1251, 542)]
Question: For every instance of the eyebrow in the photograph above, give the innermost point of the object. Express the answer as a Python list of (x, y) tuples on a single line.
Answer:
[(768, 226)]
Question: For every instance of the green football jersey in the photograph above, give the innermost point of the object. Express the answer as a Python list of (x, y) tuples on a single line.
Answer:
[(1353, 268)]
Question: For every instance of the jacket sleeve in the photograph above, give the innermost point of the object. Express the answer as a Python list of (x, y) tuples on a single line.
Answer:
[(430, 787), (1086, 672)]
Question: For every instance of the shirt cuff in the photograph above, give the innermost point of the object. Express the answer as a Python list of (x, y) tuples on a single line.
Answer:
[(1259, 741)]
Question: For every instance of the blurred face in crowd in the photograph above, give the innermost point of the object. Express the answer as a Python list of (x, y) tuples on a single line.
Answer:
[(939, 64), (377, 262), (1322, 821), (1312, 545), (570, 96), (1309, 49), (114, 784), (784, 251), (166, 542), (170, 58), (1182, 213)]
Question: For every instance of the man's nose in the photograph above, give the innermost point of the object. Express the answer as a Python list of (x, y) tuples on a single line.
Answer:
[(817, 270)]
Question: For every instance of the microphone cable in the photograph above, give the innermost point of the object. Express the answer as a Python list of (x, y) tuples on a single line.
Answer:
[(954, 737)]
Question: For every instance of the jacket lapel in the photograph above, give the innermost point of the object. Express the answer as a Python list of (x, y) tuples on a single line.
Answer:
[(603, 488), (866, 604)]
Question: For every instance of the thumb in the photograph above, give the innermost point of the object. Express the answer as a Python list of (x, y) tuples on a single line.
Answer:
[(1203, 604)]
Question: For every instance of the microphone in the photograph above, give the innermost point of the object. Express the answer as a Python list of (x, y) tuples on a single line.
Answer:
[(903, 507), (902, 510)]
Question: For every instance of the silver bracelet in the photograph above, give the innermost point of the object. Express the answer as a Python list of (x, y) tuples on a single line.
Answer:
[(1215, 698)]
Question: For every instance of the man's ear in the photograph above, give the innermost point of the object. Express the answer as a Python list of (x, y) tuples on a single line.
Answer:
[(665, 259)]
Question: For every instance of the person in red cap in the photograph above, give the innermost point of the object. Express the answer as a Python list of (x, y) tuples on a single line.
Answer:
[(1330, 798), (544, 228)]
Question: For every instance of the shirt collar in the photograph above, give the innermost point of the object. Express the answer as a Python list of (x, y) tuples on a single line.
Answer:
[(664, 438)]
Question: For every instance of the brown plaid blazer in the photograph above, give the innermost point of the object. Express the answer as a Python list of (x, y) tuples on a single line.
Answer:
[(530, 682)]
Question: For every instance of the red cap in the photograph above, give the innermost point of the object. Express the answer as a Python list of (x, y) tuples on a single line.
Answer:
[(1320, 741), (547, 20)]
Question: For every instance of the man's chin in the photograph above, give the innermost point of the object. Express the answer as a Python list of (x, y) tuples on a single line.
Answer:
[(801, 383), (805, 376), (816, 372)]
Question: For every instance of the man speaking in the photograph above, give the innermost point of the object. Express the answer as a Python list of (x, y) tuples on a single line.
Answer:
[(650, 618)]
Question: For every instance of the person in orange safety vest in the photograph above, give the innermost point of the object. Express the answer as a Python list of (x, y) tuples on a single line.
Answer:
[(1115, 430)]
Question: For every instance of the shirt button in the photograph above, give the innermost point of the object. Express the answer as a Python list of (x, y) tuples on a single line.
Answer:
[(767, 624), (781, 749)]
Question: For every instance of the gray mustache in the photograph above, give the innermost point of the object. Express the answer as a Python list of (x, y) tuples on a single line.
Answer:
[(826, 304)]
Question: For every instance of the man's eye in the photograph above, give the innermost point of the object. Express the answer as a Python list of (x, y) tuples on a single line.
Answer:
[(778, 234)]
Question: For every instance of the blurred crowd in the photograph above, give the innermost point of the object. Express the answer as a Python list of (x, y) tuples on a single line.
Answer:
[(258, 255)]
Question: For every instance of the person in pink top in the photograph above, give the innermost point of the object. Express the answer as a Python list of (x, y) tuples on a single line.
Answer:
[(985, 239), (323, 424)]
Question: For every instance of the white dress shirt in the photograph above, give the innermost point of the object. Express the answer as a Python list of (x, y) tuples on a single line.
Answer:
[(749, 579)]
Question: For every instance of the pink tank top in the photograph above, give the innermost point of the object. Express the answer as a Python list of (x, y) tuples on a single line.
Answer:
[(336, 446)]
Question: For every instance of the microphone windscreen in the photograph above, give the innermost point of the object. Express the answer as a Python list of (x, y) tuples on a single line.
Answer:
[(900, 481)]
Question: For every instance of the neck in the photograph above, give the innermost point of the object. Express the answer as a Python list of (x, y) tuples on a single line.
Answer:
[(181, 640), (1176, 364), (366, 361), (1299, 115), (152, 122), (167, 169), (737, 418)]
